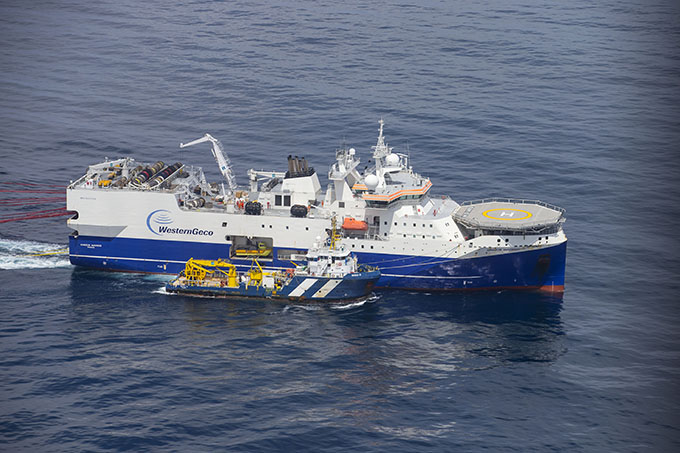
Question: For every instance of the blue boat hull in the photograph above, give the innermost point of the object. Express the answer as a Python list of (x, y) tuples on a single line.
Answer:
[(351, 286), (535, 268)]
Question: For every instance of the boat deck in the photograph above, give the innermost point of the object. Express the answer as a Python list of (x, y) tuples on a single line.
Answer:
[(509, 215)]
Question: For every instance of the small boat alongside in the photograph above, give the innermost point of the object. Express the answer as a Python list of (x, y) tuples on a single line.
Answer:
[(330, 273)]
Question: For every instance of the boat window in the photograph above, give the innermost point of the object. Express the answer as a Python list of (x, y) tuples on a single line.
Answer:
[(224, 224), (277, 200), (341, 204), (286, 200)]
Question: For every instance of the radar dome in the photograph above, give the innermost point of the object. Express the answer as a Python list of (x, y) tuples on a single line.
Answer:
[(392, 160), (371, 182)]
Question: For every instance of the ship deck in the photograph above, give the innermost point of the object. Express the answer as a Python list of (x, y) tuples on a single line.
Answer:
[(508, 214)]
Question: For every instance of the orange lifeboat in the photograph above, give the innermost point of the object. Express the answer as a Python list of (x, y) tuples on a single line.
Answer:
[(350, 223)]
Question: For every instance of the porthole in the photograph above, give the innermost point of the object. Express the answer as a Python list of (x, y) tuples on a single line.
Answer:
[(224, 224)]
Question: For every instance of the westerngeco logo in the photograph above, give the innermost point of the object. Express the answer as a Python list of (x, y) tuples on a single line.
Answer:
[(159, 222)]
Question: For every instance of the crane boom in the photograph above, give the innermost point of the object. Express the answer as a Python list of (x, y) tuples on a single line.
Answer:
[(220, 157)]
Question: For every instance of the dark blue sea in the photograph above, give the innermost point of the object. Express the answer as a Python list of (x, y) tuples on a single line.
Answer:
[(574, 103)]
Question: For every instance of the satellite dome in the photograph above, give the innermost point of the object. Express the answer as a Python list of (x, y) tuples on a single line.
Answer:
[(371, 182), (392, 160)]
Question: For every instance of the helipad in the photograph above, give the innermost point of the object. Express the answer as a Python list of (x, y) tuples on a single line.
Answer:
[(509, 215)]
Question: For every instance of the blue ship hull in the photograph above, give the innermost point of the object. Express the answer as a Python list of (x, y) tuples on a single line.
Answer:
[(539, 268)]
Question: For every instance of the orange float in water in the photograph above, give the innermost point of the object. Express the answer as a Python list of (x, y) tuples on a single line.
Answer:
[(350, 223)]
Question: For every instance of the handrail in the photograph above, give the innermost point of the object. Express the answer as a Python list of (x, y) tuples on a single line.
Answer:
[(514, 200)]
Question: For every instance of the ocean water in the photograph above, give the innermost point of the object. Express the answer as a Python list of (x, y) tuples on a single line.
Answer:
[(574, 103)]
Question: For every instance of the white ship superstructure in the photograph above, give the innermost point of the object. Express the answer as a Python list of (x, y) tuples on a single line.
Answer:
[(153, 218)]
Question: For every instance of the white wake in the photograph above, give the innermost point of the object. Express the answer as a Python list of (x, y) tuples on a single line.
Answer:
[(32, 255)]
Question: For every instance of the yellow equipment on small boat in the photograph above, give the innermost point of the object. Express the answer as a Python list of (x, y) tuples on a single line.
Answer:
[(197, 270)]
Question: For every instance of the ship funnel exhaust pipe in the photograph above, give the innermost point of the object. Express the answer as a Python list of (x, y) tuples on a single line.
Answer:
[(290, 165)]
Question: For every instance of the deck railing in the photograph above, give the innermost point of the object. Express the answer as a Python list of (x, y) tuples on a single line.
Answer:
[(515, 200)]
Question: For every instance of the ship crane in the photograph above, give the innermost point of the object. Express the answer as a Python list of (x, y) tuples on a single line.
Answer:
[(220, 157)]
